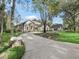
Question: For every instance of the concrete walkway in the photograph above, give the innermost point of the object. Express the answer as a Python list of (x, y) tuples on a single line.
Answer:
[(42, 48)]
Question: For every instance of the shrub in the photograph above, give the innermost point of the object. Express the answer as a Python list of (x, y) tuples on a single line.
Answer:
[(7, 31), (6, 37), (2, 49)]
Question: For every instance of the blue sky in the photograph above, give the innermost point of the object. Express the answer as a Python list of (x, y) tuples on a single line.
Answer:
[(24, 12), (57, 20), (27, 11)]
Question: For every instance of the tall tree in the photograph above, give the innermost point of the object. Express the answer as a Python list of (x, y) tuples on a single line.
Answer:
[(70, 10), (13, 9), (2, 14), (46, 10), (12, 13)]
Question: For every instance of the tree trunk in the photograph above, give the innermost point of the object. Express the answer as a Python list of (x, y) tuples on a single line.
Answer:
[(12, 15), (0, 33), (1, 30), (74, 24), (2, 19), (2, 27), (44, 30), (74, 29), (0, 38)]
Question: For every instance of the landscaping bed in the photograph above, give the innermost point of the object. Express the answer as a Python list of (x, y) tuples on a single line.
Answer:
[(48, 35)]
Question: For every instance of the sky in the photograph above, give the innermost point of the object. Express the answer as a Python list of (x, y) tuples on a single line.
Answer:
[(57, 20), (25, 12)]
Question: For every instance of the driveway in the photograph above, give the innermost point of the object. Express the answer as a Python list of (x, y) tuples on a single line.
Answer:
[(41, 48)]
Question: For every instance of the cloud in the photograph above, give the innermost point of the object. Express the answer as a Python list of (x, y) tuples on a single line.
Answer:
[(31, 17)]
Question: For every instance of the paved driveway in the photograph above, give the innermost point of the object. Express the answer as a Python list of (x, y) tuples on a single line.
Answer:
[(42, 48)]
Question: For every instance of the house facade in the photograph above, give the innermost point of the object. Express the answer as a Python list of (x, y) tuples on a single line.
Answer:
[(36, 26), (57, 27), (33, 26), (19, 27)]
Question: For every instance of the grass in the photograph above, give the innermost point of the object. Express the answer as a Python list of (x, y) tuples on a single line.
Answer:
[(13, 53), (5, 40), (2, 49), (17, 33), (16, 52), (6, 36), (62, 36), (68, 37)]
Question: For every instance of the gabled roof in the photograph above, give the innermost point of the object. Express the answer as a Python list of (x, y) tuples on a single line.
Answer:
[(57, 25), (33, 21), (20, 23)]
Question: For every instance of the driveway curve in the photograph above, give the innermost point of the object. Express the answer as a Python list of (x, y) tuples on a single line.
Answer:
[(41, 48)]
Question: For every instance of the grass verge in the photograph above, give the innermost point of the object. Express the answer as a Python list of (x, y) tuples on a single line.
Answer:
[(16, 52)]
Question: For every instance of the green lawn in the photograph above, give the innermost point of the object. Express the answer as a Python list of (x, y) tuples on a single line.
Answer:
[(68, 37)]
